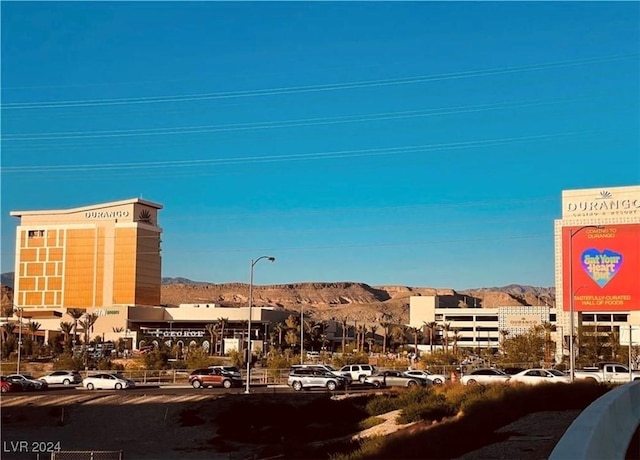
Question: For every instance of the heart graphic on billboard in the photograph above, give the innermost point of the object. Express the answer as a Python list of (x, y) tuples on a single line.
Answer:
[(601, 266)]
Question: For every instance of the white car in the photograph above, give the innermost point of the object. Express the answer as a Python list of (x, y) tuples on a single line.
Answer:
[(484, 376), (107, 382), (437, 379), (62, 378), (537, 376)]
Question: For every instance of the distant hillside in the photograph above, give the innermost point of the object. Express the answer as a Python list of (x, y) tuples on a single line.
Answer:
[(338, 299), (7, 279)]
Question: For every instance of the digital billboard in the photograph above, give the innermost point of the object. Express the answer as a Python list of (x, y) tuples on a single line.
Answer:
[(602, 267)]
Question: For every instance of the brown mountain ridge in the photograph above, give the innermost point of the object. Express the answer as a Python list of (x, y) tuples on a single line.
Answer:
[(325, 300)]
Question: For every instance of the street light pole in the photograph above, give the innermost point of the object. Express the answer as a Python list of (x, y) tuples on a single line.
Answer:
[(19, 338), (302, 334), (572, 351), (248, 355)]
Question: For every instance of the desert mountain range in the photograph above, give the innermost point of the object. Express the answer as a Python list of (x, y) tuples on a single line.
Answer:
[(325, 300)]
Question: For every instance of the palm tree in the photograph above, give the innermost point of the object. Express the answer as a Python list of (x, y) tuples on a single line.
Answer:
[(223, 323), (385, 329), (280, 328), (432, 327), (614, 341), (33, 328), (344, 322), (446, 327), (415, 331), (66, 328), (400, 334), (361, 331), (548, 329), (373, 329), (76, 314), (456, 338), (503, 337), (213, 329), (8, 330), (89, 320)]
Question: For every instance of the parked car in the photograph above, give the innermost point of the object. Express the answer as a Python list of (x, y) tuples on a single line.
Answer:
[(537, 376), (28, 382), (306, 377), (437, 379), (325, 367), (358, 371), (8, 386), (233, 370), (395, 379), (107, 382), (62, 377), (484, 376), (200, 378)]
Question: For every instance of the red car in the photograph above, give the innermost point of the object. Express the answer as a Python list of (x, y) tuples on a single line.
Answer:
[(8, 386), (214, 377)]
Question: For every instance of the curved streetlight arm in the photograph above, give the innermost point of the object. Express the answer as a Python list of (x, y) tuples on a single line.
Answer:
[(248, 354)]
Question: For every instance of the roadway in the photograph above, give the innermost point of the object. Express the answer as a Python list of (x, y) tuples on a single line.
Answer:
[(59, 391)]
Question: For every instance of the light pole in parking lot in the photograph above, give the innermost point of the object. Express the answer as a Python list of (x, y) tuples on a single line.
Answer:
[(248, 355), (572, 351), (19, 310), (301, 334)]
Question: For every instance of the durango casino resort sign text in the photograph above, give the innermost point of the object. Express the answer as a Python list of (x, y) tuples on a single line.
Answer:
[(602, 206)]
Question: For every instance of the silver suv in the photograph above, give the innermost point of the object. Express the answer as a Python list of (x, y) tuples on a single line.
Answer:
[(306, 377), (324, 367)]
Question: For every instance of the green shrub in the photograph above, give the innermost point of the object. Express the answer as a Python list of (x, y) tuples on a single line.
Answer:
[(105, 364), (67, 362), (434, 410), (366, 448), (370, 422), (416, 395), (382, 404)]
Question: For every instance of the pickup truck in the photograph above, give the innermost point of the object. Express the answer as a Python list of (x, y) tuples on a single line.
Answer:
[(607, 373)]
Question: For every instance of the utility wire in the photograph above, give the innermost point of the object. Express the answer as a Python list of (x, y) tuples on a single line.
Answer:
[(315, 88), (283, 123), (288, 157)]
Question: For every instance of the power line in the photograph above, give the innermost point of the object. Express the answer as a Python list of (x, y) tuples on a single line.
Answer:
[(380, 116), (290, 157), (316, 88)]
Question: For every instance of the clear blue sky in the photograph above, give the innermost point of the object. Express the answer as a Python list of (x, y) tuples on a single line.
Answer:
[(418, 143)]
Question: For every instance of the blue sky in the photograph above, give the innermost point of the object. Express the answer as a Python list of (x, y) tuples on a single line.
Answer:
[(417, 143)]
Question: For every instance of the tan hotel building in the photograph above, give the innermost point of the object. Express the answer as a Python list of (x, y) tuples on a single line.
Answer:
[(105, 259)]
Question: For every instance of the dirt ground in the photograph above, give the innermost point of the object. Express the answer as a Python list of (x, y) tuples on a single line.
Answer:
[(183, 427)]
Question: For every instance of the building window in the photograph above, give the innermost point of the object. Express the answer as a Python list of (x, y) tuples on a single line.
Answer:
[(35, 234), (460, 318), (552, 317), (620, 318), (486, 318), (606, 318), (588, 317)]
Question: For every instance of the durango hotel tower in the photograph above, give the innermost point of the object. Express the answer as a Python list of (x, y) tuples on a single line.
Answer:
[(102, 258)]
